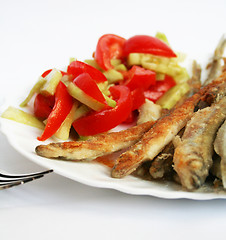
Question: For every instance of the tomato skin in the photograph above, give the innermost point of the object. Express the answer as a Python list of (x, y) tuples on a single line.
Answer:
[(43, 106), (89, 87), (153, 95), (138, 98), (157, 90), (131, 118), (109, 46), (48, 71), (165, 85), (147, 44), (76, 68), (62, 107), (98, 122), (138, 77)]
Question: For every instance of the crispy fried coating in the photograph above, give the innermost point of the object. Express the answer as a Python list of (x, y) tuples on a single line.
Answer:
[(193, 154), (165, 129), (99, 145), (220, 148)]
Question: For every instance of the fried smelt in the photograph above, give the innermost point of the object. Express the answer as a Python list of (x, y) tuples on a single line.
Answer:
[(215, 65), (164, 130), (220, 148), (161, 166), (193, 154), (194, 83), (97, 146)]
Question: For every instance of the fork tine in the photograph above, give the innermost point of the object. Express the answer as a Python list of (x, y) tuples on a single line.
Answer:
[(18, 182), (24, 175)]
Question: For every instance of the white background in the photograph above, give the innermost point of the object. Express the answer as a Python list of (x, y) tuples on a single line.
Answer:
[(38, 35)]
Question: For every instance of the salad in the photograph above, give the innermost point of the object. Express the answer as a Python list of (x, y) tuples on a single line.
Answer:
[(98, 94)]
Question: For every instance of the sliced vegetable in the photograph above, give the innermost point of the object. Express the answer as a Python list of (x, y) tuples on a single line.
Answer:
[(43, 106), (131, 118), (157, 90), (48, 71), (121, 67), (138, 98), (97, 95), (153, 95), (163, 65), (76, 68), (172, 96), (93, 63), (79, 95), (53, 79), (20, 116), (62, 107), (162, 37), (109, 47), (85, 90), (113, 76), (139, 77), (147, 44), (34, 90), (165, 85), (81, 112), (64, 130), (115, 62), (98, 122), (134, 59), (87, 84), (110, 102)]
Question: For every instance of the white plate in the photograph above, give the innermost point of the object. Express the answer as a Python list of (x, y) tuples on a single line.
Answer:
[(23, 139)]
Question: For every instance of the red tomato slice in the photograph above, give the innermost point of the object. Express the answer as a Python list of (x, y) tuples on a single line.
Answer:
[(153, 95), (48, 71), (43, 106), (138, 98), (62, 107), (89, 86), (139, 77), (108, 47), (98, 122), (157, 90), (131, 118), (76, 68), (165, 85), (147, 44)]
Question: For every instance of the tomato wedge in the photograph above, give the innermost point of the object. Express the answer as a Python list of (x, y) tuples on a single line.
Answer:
[(62, 107), (89, 87), (157, 90), (43, 106), (138, 98), (98, 122), (139, 77), (147, 44), (48, 71), (76, 68), (109, 46)]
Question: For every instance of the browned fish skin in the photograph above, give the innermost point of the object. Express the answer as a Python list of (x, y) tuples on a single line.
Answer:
[(215, 65), (193, 155), (155, 139), (162, 164), (164, 130), (100, 145), (220, 148)]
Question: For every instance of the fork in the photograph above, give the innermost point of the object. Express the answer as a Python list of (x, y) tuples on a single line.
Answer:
[(9, 180)]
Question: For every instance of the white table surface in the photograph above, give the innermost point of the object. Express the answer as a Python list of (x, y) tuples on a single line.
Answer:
[(38, 35)]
